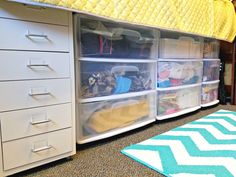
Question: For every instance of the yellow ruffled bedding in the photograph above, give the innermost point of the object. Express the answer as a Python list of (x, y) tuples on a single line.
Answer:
[(210, 18)]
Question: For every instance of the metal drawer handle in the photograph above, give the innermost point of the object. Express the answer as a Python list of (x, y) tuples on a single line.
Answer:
[(32, 65), (38, 92), (40, 122), (37, 35), (37, 63), (42, 148), (31, 35)]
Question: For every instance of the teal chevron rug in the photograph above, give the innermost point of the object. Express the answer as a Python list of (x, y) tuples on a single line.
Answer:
[(202, 148)]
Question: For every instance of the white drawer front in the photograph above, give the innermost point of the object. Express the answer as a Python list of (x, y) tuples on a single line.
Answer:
[(33, 13), (34, 121), (18, 65), (20, 35), (27, 94), (36, 148)]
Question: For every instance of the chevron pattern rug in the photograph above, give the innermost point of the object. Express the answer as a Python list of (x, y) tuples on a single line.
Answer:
[(202, 148)]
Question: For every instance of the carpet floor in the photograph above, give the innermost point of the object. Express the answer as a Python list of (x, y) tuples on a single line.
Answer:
[(103, 158)]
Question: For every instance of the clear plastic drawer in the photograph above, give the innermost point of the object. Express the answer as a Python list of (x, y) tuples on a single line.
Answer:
[(110, 78), (110, 116), (170, 102), (172, 73), (210, 92), (211, 48), (211, 70), (101, 39), (176, 46)]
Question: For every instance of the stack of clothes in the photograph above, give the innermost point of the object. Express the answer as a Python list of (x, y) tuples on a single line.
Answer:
[(103, 39), (102, 79), (178, 73)]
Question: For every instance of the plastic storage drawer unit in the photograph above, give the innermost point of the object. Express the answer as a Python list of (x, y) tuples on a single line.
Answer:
[(178, 101), (183, 47), (211, 48), (211, 69), (110, 78), (210, 93), (106, 118), (172, 73), (112, 40)]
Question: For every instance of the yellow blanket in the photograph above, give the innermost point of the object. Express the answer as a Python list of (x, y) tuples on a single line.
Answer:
[(112, 118), (211, 18)]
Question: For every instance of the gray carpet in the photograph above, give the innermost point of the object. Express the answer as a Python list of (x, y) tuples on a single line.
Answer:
[(103, 158)]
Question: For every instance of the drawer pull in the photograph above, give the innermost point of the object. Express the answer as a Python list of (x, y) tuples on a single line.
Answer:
[(37, 63), (40, 122), (42, 148), (32, 35), (32, 65), (38, 92), (36, 35)]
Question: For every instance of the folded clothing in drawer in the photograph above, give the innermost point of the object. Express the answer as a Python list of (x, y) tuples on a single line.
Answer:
[(178, 72), (211, 69), (103, 39), (209, 92), (103, 78), (182, 47), (102, 116), (172, 101), (211, 48), (118, 115)]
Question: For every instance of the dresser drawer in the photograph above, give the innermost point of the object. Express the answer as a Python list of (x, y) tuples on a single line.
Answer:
[(34, 121), (211, 70), (104, 78), (211, 48), (114, 40), (107, 116), (36, 148), (19, 65), (27, 94), (20, 35), (210, 92), (182, 47), (174, 72), (33, 13), (176, 100)]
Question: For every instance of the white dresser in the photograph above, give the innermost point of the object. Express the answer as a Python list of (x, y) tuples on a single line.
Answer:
[(36, 86)]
